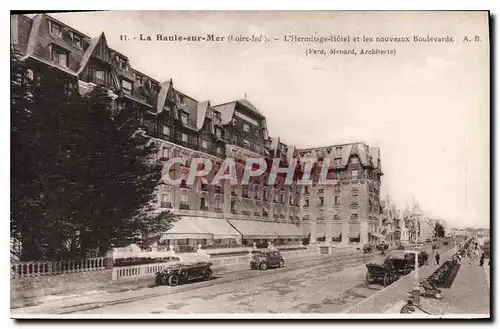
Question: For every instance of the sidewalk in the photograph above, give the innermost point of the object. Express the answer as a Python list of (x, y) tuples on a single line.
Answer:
[(468, 295), (395, 293)]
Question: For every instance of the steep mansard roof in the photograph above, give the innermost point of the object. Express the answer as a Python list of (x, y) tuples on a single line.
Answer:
[(368, 156)]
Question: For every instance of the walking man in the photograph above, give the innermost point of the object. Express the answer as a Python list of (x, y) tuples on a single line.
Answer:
[(437, 256)]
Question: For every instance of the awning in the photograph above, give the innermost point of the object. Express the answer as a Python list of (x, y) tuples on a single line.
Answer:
[(186, 228), (285, 230), (322, 229), (220, 228), (254, 229)]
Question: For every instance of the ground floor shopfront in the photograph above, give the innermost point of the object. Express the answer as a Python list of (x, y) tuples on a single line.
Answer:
[(188, 233), (348, 232)]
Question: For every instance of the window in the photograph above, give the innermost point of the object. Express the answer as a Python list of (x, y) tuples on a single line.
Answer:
[(246, 127), (204, 144), (77, 40), (219, 150), (321, 201), (246, 143), (184, 138), (336, 200), (122, 63), (306, 203), (218, 132), (336, 217), (184, 198), (127, 87), (338, 149), (55, 29), (59, 56), (138, 79), (354, 174), (336, 188), (184, 118), (166, 130), (354, 160), (165, 153), (354, 216), (99, 74), (337, 161)]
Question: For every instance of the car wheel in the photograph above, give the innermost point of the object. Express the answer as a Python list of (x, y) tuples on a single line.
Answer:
[(263, 266), (282, 263), (173, 280), (207, 275), (387, 280)]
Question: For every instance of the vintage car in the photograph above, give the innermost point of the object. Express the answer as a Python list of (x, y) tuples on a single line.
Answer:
[(367, 248), (423, 258), (177, 273), (265, 258), (384, 273), (382, 246)]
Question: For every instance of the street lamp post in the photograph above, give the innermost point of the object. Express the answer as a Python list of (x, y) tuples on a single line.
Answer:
[(416, 286)]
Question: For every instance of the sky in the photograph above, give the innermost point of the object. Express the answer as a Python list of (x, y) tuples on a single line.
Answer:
[(426, 108)]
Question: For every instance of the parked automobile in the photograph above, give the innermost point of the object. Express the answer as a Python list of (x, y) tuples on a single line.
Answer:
[(265, 259), (181, 273), (383, 273), (423, 258), (367, 248)]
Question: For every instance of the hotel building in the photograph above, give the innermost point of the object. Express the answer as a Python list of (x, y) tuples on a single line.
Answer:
[(217, 215)]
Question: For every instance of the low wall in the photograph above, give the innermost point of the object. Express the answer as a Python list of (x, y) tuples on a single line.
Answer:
[(38, 286)]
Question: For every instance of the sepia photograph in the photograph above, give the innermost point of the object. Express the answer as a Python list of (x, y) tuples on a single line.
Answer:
[(250, 164)]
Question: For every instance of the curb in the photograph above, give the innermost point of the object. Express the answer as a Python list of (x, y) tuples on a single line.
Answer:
[(385, 289)]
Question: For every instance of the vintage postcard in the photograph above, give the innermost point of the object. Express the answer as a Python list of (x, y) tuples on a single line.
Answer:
[(250, 164)]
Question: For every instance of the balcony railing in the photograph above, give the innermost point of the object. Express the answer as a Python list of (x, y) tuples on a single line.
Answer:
[(246, 212), (184, 206), (204, 187), (204, 208), (282, 216), (265, 214), (244, 194), (233, 211), (275, 216), (218, 190), (256, 213), (165, 204), (218, 210)]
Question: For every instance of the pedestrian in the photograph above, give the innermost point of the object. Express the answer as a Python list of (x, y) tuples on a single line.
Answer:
[(469, 254), (437, 257), (481, 261)]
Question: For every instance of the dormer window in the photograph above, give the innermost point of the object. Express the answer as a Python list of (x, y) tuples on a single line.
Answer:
[(77, 40), (354, 160), (184, 118), (127, 87), (337, 161), (138, 79), (59, 56), (246, 127), (122, 63), (218, 132), (55, 29)]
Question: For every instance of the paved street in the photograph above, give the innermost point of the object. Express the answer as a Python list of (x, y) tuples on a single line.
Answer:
[(325, 285)]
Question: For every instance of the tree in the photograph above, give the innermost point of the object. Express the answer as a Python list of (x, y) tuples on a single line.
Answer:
[(82, 178), (439, 230), (36, 215)]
